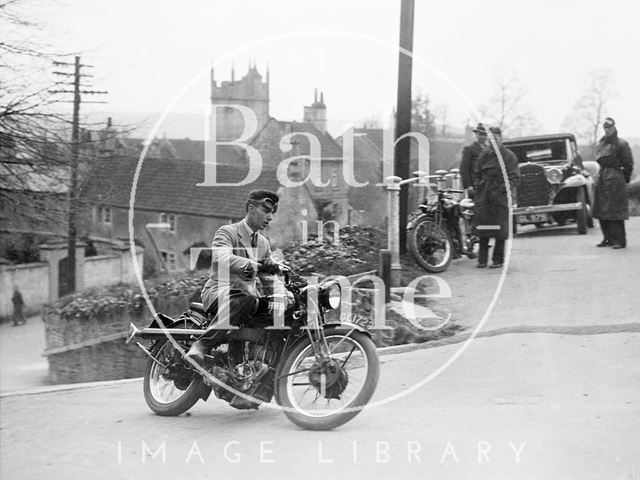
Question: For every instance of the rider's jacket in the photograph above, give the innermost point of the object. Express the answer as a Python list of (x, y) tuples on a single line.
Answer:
[(234, 264)]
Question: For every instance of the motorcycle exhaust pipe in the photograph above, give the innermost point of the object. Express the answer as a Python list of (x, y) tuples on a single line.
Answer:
[(156, 333)]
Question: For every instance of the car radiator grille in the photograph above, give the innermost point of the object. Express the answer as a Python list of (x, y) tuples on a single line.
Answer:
[(533, 188)]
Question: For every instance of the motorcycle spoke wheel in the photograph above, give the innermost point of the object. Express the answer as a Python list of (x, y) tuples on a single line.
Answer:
[(321, 393), (160, 391), (431, 246), (163, 389)]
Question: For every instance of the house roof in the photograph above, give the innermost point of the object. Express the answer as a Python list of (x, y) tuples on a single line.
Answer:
[(329, 147), (178, 149), (34, 178), (373, 135), (171, 186)]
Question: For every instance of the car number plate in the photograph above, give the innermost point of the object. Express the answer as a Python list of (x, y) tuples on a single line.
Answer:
[(533, 218)]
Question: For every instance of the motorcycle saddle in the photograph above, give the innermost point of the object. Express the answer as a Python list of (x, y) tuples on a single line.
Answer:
[(197, 307)]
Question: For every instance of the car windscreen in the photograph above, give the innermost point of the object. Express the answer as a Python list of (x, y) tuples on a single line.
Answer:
[(551, 151)]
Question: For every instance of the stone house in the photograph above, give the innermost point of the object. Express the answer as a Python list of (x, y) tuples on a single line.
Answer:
[(167, 192)]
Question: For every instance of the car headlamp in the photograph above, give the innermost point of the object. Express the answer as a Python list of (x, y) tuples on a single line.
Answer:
[(330, 295), (554, 175)]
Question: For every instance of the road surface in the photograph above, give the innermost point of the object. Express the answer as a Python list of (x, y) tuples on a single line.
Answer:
[(549, 389)]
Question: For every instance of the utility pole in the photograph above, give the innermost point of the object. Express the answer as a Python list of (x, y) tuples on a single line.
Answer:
[(74, 193), (403, 112)]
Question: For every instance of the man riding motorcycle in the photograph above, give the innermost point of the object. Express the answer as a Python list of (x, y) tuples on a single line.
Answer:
[(233, 296)]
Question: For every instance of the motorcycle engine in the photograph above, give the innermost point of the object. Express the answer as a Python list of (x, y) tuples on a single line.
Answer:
[(252, 377)]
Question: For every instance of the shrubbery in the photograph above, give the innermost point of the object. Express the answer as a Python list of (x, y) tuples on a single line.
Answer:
[(356, 251), (99, 302)]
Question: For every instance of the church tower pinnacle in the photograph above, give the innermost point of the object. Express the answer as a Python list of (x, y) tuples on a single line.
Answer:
[(249, 91)]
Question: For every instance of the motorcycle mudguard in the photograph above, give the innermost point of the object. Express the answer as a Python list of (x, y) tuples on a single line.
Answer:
[(333, 326), (167, 321), (411, 224), (346, 326)]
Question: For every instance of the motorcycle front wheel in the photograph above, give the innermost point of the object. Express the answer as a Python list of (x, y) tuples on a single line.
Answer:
[(322, 392), (169, 388), (431, 246)]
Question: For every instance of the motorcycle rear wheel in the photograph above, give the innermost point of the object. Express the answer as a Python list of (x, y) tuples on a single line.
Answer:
[(431, 246), (324, 394), (163, 396)]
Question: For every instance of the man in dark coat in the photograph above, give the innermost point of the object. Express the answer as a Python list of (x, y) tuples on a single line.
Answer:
[(470, 154), (18, 305), (611, 205), (491, 212)]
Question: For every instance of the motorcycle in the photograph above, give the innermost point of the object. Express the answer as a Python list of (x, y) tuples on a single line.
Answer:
[(320, 371), (440, 229)]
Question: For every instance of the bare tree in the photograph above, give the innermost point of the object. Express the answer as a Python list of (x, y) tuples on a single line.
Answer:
[(31, 133), (422, 119), (35, 138), (589, 109), (506, 107), (372, 121), (442, 114)]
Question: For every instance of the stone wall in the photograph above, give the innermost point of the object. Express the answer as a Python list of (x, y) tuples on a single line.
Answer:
[(94, 349), (33, 281), (37, 287), (106, 270)]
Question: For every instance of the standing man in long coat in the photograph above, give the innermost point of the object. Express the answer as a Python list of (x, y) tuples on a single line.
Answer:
[(611, 203), (491, 212), (470, 154)]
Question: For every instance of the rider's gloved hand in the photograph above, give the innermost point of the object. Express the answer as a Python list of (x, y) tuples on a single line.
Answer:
[(268, 266)]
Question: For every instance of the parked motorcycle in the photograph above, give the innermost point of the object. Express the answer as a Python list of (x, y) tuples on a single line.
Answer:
[(321, 371), (440, 229)]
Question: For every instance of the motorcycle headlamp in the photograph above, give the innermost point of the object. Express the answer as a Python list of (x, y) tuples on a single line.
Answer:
[(554, 175), (330, 295)]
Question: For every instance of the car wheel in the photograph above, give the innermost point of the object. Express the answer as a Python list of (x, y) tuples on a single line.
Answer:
[(581, 214), (589, 216)]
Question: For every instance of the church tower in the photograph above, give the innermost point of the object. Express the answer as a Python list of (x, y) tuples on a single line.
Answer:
[(250, 91)]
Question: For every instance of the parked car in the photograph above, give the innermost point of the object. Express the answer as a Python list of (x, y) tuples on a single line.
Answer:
[(556, 186)]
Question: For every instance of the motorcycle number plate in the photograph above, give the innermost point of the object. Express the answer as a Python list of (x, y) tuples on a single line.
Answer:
[(533, 218)]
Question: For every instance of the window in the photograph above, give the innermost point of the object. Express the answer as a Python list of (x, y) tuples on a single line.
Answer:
[(169, 218), (169, 260), (103, 215), (334, 178)]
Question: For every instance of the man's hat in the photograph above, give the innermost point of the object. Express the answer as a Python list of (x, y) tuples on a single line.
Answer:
[(480, 129), (609, 122), (495, 130)]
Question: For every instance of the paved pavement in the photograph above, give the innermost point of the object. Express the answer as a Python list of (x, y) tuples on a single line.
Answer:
[(520, 404), (22, 365), (555, 278)]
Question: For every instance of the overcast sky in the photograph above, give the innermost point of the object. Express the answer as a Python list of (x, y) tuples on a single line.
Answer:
[(147, 51)]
